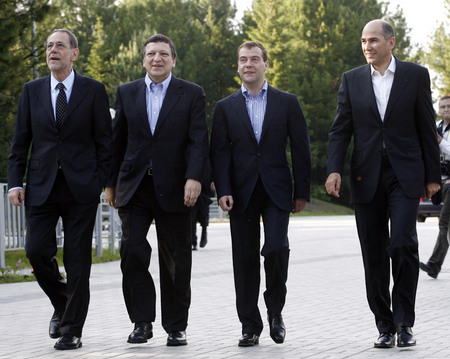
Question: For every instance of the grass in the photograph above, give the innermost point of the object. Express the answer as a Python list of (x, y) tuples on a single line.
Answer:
[(322, 208), (16, 261)]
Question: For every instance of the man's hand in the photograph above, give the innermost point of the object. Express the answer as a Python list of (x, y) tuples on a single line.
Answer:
[(431, 188), (439, 138), (298, 205), (110, 193), (192, 190), (226, 203), (16, 196), (333, 184)]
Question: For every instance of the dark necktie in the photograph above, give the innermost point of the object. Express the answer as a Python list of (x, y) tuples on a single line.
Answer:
[(61, 105)]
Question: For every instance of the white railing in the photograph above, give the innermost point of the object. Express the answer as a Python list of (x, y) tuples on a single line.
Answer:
[(107, 228)]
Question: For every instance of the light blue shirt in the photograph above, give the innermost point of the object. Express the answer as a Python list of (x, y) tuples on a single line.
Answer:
[(256, 108), (54, 91), (154, 95)]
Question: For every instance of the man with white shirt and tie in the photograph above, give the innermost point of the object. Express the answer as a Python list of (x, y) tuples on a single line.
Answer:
[(386, 107), (65, 119), (160, 148)]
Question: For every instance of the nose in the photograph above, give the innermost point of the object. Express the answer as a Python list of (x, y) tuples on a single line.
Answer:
[(157, 57)]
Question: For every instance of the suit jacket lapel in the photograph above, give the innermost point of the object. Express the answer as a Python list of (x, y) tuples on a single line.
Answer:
[(400, 82), (240, 108), (78, 93), (173, 94), (271, 109), (45, 98), (139, 92), (366, 91)]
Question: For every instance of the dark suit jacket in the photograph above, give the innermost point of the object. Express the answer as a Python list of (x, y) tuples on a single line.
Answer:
[(178, 149), (82, 146), (408, 132), (238, 159)]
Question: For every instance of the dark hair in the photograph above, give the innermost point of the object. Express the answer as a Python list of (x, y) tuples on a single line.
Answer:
[(161, 38), (446, 97), (388, 30), (73, 42), (251, 44)]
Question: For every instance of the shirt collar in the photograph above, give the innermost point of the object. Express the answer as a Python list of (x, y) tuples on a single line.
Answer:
[(391, 68), (165, 83), (261, 92), (68, 81)]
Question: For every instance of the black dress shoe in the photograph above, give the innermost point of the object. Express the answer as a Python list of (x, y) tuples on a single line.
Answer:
[(55, 324), (405, 337), (67, 342), (204, 239), (429, 269), (142, 331), (385, 340), (277, 328), (248, 340), (175, 339)]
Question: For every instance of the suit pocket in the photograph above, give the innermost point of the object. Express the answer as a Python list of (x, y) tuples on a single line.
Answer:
[(125, 166), (33, 165)]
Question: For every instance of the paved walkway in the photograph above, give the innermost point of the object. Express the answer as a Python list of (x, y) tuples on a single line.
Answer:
[(326, 312)]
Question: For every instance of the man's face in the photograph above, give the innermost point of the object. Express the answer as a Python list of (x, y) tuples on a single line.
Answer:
[(251, 66), (444, 109), (158, 61), (375, 47), (60, 56)]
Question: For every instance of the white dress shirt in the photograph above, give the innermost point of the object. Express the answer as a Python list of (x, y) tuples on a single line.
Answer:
[(54, 91), (382, 85)]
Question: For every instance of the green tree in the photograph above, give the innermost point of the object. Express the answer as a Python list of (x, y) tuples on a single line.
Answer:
[(18, 52), (311, 43), (98, 66), (437, 56), (211, 60)]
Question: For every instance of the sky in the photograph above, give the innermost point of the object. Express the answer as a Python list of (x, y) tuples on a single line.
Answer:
[(422, 16)]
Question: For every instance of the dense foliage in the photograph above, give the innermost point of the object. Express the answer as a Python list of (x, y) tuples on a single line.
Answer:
[(310, 43)]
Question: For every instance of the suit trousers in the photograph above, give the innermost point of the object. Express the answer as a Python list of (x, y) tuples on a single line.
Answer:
[(442, 242), (175, 259), (71, 297), (381, 247), (245, 235)]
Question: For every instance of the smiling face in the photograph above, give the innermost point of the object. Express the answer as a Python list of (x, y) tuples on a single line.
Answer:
[(158, 61), (376, 48), (60, 56), (252, 67)]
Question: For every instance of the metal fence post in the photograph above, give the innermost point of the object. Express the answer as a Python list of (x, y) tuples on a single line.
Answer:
[(98, 232), (2, 228)]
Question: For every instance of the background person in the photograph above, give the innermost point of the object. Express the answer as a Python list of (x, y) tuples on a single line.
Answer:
[(434, 264)]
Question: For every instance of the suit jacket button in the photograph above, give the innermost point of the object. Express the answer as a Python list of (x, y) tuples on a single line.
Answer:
[(359, 178)]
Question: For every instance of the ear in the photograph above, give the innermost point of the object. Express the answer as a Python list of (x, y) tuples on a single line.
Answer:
[(174, 62), (75, 54), (391, 42)]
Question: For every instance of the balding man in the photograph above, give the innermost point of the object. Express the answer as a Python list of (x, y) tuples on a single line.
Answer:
[(386, 107)]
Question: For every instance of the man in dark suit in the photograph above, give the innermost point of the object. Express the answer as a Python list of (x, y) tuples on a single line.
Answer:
[(65, 119), (386, 106), (160, 142), (251, 129)]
